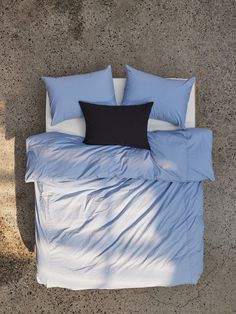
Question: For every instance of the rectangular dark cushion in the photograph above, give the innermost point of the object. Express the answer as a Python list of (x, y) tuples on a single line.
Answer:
[(116, 125)]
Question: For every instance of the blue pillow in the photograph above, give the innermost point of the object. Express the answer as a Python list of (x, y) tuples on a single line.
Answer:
[(170, 97), (65, 93)]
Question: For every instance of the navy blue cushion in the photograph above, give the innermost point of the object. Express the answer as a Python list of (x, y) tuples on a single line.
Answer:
[(116, 125)]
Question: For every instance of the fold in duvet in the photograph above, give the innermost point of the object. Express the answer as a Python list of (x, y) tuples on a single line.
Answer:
[(118, 217)]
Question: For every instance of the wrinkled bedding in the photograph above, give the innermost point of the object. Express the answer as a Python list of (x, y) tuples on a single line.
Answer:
[(118, 217)]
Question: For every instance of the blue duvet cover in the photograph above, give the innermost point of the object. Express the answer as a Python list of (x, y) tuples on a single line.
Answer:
[(119, 217)]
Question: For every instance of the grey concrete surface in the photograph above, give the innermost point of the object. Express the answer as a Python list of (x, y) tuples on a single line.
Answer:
[(171, 38)]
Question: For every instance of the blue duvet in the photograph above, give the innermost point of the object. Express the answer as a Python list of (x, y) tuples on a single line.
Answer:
[(119, 217)]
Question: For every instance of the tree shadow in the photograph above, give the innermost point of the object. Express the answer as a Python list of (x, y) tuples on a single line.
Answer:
[(24, 116), (12, 268)]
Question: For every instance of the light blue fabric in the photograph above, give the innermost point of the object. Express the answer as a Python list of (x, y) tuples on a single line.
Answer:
[(119, 217), (65, 93), (181, 156), (118, 233), (170, 97)]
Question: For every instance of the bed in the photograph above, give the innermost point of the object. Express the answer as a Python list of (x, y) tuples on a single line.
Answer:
[(135, 222)]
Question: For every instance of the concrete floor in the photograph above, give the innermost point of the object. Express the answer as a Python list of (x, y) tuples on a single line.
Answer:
[(175, 38)]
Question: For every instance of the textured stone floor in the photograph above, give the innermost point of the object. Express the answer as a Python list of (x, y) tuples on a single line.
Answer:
[(175, 38)]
